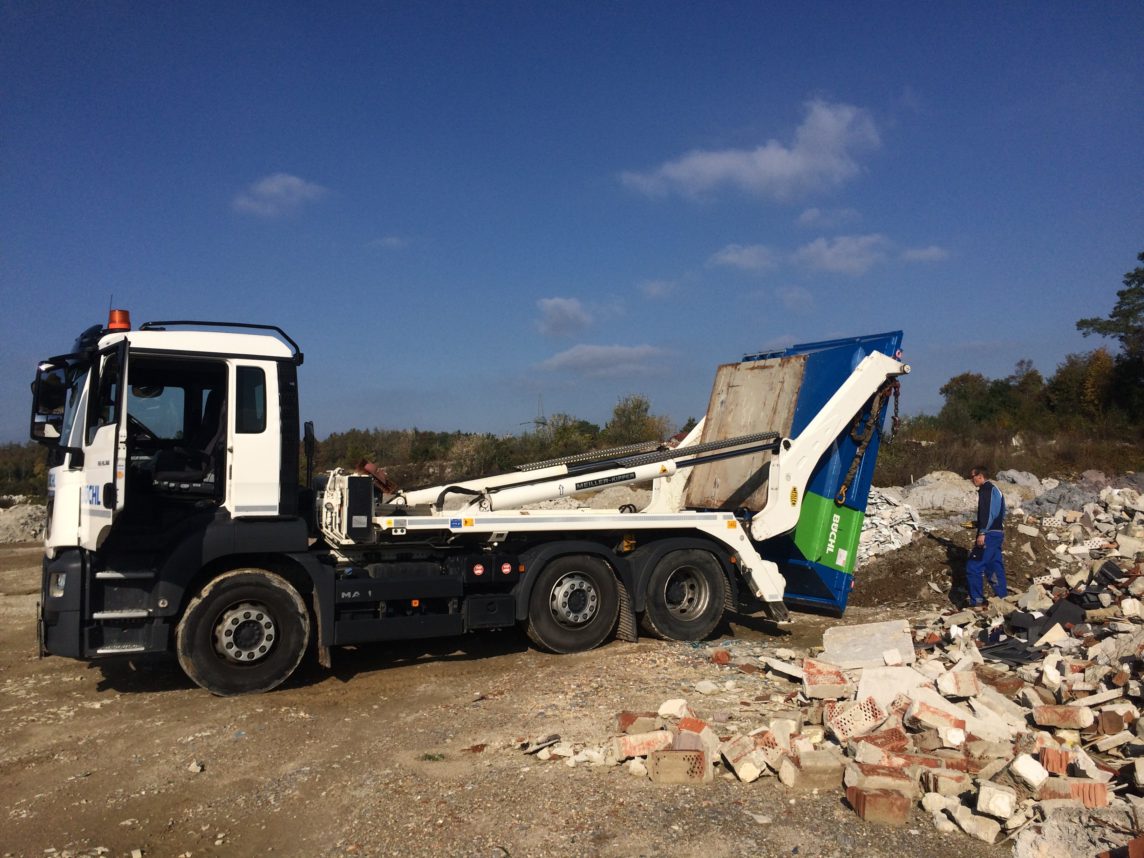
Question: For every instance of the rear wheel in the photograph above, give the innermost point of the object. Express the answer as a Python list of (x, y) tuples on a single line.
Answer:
[(573, 605), (685, 596), (245, 632)]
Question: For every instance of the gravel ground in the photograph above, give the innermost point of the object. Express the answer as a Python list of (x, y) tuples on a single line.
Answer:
[(399, 750)]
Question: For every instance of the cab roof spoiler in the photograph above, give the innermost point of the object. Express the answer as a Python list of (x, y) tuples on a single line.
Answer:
[(163, 325)]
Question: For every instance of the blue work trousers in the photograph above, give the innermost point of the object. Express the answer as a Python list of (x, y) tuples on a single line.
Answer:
[(985, 563)]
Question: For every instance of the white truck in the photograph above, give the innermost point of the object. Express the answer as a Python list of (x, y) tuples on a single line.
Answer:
[(177, 519)]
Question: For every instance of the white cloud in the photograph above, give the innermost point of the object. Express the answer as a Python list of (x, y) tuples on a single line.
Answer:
[(796, 299), (277, 195), (933, 253), (560, 317), (825, 218), (750, 257), (821, 156), (844, 254), (658, 289), (600, 361)]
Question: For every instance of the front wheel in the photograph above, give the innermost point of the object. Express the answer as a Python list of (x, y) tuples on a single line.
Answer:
[(685, 595), (244, 633), (573, 605)]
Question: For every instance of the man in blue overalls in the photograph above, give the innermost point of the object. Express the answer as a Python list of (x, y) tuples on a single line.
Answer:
[(985, 559)]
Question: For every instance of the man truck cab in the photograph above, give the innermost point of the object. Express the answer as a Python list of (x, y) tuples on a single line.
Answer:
[(162, 441)]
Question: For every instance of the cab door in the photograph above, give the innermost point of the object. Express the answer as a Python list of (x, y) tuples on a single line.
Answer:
[(104, 447), (254, 449)]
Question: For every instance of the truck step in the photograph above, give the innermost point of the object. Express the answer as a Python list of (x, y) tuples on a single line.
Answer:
[(110, 575), (123, 614), (119, 649)]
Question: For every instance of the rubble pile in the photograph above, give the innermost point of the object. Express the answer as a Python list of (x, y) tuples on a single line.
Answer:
[(1021, 721), (22, 521), (890, 524), (1078, 521)]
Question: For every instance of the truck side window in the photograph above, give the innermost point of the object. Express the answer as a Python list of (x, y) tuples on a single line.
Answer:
[(107, 400), (251, 400)]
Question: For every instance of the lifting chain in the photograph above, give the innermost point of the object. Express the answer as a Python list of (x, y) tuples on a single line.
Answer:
[(861, 437)]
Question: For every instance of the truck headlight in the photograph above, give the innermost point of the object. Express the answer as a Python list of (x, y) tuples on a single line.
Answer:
[(56, 584)]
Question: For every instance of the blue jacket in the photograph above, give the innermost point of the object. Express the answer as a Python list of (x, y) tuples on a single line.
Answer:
[(990, 508)]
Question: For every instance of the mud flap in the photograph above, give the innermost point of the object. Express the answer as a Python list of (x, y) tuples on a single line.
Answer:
[(323, 650), (626, 622)]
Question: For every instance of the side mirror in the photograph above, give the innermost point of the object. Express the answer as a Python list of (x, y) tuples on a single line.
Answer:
[(47, 431), (49, 397)]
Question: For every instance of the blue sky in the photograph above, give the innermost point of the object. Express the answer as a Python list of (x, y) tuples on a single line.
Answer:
[(459, 208)]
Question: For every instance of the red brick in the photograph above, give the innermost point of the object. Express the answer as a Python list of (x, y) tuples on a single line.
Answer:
[(1071, 717), (691, 725), (641, 744), (1091, 794), (923, 715), (678, 767), (1134, 848), (823, 680), (882, 806), (625, 719), (721, 656), (892, 739), (1111, 722), (1056, 761)]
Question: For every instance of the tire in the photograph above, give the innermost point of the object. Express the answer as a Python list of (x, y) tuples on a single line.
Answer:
[(573, 605), (244, 633), (685, 596)]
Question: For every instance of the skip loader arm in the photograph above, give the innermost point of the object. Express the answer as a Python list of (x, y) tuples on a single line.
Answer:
[(792, 466)]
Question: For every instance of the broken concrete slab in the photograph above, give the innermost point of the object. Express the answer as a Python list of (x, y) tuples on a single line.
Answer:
[(865, 645), (996, 800), (884, 684)]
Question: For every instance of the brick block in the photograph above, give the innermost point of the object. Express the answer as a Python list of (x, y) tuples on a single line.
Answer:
[(636, 722), (889, 739), (679, 767), (1056, 760), (872, 776), (959, 683), (812, 770), (641, 744), (853, 718), (1134, 848), (744, 758), (884, 807), (769, 747), (946, 782), (1070, 717), (824, 681), (696, 735), (1091, 794), (923, 715), (1111, 722)]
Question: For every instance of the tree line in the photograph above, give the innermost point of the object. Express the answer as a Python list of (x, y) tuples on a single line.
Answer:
[(1088, 413)]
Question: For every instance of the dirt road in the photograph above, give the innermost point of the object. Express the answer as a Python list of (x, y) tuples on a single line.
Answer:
[(400, 750)]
